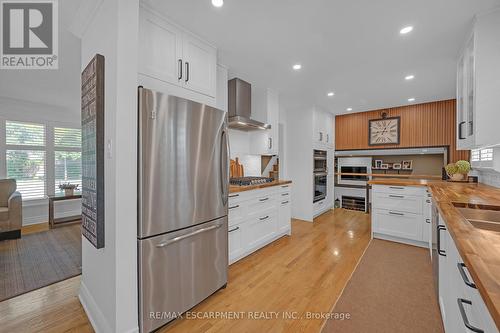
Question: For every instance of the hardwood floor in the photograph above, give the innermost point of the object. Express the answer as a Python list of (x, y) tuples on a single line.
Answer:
[(304, 272)]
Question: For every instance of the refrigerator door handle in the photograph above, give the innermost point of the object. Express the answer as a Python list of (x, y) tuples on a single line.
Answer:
[(177, 239), (224, 166)]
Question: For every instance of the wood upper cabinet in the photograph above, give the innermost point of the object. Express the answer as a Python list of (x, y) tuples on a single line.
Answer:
[(175, 56)]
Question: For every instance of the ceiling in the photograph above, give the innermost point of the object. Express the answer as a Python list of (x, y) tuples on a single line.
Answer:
[(60, 87), (350, 47)]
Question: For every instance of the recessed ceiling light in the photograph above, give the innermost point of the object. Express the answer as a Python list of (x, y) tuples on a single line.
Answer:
[(297, 67), (217, 3), (411, 99), (349, 109), (409, 77), (406, 30), (330, 94)]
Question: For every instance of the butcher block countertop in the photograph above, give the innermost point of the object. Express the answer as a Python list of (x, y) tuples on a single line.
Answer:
[(237, 188), (479, 249)]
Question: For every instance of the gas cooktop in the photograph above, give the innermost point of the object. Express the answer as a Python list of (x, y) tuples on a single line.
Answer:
[(245, 181)]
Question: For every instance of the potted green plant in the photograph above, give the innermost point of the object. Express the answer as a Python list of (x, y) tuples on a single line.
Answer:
[(458, 171), (69, 189)]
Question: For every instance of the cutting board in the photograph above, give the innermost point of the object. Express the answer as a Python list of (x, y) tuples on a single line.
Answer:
[(236, 169)]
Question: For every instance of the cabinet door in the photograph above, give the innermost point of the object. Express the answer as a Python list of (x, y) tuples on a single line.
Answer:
[(470, 92), (273, 119), (284, 216), (461, 105), (200, 65), (235, 243), (160, 48), (328, 125)]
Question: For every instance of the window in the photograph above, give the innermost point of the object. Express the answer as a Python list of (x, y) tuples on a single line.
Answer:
[(25, 157), (40, 156), (67, 156), (482, 158)]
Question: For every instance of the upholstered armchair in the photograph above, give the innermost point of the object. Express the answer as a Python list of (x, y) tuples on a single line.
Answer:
[(11, 210)]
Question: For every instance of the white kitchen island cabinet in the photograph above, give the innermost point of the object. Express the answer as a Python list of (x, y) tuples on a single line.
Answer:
[(258, 217)]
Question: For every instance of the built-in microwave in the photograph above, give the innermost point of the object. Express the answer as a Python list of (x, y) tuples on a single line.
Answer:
[(354, 170), (320, 161)]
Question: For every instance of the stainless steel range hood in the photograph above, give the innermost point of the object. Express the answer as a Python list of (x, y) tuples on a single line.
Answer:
[(240, 107)]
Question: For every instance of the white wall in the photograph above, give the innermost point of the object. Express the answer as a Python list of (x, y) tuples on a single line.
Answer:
[(37, 211), (109, 275)]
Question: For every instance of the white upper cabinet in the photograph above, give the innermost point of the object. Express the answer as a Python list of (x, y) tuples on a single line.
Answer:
[(221, 98), (322, 129), (160, 50), (478, 70), (265, 108), (200, 65), (175, 56)]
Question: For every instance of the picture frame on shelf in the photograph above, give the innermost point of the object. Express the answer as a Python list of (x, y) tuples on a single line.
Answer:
[(396, 166), (384, 166), (407, 165), (378, 164)]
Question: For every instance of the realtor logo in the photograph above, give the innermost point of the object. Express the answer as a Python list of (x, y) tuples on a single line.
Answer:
[(29, 38)]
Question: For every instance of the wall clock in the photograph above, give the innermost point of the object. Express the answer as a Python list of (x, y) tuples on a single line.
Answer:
[(383, 131)]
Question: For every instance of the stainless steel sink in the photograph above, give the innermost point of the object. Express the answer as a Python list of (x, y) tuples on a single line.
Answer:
[(482, 217)]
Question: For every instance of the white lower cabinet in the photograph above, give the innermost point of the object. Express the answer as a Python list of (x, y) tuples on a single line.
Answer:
[(462, 307), (257, 218), (401, 214)]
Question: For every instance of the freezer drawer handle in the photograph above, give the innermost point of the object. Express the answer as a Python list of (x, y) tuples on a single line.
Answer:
[(237, 228), (461, 302), (177, 239), (394, 213), (461, 269), (396, 196)]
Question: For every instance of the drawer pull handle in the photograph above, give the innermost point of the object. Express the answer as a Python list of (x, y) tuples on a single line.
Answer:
[(398, 214), (178, 239), (428, 201), (284, 186), (467, 324), (428, 220), (396, 196), (237, 228), (237, 206), (397, 187), (264, 218), (285, 202), (284, 194), (438, 234), (265, 199), (461, 269), (234, 195)]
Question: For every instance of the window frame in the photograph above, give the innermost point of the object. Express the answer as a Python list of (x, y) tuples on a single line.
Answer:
[(482, 164), (49, 149)]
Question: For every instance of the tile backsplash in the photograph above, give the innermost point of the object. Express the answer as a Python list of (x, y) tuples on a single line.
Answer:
[(488, 177)]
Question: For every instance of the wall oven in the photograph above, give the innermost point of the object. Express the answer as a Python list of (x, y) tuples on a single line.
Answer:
[(320, 186), (354, 170)]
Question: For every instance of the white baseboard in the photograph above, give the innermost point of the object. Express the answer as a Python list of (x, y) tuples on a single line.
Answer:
[(401, 240), (94, 313)]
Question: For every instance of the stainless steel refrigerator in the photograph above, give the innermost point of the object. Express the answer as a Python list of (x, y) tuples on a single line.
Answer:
[(183, 192)]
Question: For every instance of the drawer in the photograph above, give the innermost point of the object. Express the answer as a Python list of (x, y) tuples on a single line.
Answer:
[(403, 225), (397, 202), (236, 243), (261, 203), (405, 190), (284, 195), (285, 188), (260, 229), (237, 213)]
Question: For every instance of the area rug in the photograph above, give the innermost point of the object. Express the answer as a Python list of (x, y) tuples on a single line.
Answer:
[(391, 290), (39, 259)]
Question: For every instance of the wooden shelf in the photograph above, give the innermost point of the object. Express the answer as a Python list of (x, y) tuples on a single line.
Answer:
[(389, 175)]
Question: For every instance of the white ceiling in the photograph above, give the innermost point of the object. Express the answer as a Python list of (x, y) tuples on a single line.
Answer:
[(51, 87), (351, 47)]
